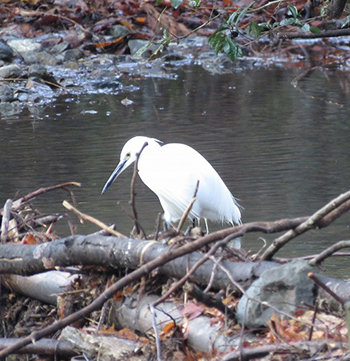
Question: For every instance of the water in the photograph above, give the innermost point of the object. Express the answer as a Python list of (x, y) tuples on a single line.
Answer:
[(283, 152)]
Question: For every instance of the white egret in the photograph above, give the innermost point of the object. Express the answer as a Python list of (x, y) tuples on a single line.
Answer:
[(172, 171)]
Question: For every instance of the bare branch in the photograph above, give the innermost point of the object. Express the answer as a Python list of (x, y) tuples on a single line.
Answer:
[(83, 216), (311, 222)]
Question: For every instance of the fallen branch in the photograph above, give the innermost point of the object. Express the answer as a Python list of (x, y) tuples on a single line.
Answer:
[(312, 222), (300, 348), (42, 347), (329, 252)]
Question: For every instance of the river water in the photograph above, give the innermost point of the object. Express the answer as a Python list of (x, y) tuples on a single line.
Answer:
[(282, 151)]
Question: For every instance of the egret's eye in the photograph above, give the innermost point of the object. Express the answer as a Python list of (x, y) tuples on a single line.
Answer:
[(128, 155)]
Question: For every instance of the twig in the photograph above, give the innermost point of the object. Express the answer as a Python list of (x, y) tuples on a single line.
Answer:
[(5, 220), (311, 222), (17, 204), (326, 288), (313, 320), (44, 81), (138, 228), (156, 333), (188, 210), (83, 216), (328, 252), (207, 256)]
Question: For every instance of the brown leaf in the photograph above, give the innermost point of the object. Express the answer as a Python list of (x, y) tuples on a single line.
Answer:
[(156, 20)]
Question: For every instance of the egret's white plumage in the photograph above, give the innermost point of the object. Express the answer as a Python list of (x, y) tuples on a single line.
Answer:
[(172, 171)]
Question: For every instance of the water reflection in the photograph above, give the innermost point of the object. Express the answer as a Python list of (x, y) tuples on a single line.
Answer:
[(282, 152)]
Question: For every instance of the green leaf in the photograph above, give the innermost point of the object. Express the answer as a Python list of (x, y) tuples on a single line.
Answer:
[(293, 11), (315, 30), (255, 29), (288, 21), (176, 3)]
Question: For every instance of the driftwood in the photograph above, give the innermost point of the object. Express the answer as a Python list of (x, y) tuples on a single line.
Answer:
[(144, 257), (42, 347)]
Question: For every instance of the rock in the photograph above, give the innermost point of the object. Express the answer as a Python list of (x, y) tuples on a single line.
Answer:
[(73, 54), (10, 71), (41, 57), (6, 94), (37, 71), (23, 46), (61, 47), (284, 288), (119, 30), (6, 53)]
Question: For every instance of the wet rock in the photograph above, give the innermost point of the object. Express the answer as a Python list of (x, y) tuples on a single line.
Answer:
[(6, 94), (73, 54), (10, 71), (24, 46), (38, 73), (6, 53), (42, 57), (61, 47), (119, 30), (284, 288)]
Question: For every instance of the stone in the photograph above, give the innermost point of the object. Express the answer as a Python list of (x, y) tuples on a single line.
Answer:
[(6, 53), (41, 57), (284, 288), (61, 47), (6, 94), (10, 71), (119, 30), (24, 46)]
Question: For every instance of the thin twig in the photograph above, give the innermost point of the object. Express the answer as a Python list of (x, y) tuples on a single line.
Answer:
[(326, 288), (138, 228), (83, 216), (188, 209), (313, 320), (17, 204)]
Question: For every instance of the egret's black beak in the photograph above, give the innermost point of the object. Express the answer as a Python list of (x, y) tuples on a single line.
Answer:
[(114, 175)]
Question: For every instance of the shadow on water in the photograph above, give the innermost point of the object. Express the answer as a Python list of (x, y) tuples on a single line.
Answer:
[(283, 152)]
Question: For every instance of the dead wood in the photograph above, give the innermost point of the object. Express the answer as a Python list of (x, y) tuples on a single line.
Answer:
[(203, 335), (301, 348), (44, 286), (42, 347), (100, 346)]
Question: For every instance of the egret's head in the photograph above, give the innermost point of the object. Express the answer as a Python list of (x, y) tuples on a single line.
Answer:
[(128, 156)]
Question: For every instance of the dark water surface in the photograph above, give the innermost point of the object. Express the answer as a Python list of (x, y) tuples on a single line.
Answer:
[(283, 152)]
